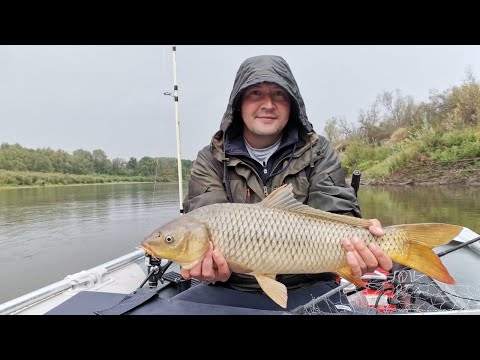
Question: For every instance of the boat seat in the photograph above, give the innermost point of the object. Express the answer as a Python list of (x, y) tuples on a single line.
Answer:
[(144, 302)]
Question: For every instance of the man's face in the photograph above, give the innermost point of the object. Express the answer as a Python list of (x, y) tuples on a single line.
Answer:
[(265, 112)]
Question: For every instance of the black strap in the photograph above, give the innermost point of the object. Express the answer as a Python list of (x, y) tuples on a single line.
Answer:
[(129, 302)]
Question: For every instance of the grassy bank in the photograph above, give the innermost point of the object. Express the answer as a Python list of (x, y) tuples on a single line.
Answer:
[(424, 157), (16, 179), (397, 140)]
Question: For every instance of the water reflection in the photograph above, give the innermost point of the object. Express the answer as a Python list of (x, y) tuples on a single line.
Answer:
[(49, 233), (401, 205)]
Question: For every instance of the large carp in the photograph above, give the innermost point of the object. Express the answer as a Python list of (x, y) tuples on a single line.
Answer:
[(280, 235)]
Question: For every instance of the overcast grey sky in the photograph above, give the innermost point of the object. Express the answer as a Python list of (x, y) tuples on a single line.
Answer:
[(111, 97)]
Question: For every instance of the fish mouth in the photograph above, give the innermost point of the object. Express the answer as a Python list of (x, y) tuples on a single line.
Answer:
[(149, 251)]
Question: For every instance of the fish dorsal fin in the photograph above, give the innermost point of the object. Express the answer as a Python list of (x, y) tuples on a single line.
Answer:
[(282, 198)]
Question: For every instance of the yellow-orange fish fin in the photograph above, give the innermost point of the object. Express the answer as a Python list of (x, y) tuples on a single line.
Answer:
[(421, 239), (282, 198), (347, 273), (273, 288)]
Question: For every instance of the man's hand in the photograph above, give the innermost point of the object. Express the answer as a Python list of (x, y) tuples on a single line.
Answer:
[(212, 268), (362, 258)]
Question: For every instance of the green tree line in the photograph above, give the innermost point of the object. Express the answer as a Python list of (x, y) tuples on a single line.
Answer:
[(23, 166), (396, 132)]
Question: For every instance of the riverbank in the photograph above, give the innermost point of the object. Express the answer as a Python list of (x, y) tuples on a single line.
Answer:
[(459, 175), (7, 187)]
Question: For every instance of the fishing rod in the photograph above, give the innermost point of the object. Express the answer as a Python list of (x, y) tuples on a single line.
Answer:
[(154, 268), (156, 271), (177, 128)]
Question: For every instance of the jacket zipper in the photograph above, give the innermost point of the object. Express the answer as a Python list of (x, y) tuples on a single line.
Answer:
[(265, 189)]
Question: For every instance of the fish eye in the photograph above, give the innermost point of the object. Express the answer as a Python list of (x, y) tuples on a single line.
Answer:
[(168, 238)]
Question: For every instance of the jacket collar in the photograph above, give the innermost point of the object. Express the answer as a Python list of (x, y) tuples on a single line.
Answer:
[(236, 146)]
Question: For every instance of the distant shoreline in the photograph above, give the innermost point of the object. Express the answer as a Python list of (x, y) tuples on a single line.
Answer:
[(4, 187), (448, 178), (427, 177)]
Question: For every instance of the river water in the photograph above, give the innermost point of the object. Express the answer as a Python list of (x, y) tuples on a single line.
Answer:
[(49, 233)]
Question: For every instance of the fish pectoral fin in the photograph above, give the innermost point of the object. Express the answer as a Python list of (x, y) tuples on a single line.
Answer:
[(346, 273), (273, 288)]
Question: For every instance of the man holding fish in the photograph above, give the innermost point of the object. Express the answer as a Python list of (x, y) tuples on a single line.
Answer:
[(266, 140)]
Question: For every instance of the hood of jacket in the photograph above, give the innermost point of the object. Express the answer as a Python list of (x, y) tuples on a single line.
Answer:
[(259, 69)]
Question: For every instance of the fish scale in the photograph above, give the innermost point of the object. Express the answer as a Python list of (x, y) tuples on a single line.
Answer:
[(272, 240)]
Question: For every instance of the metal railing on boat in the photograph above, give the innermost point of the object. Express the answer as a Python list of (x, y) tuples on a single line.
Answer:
[(69, 282)]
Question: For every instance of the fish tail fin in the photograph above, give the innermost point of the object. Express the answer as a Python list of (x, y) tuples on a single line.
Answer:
[(419, 256), (348, 274)]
